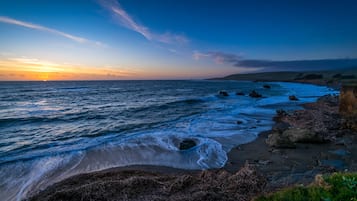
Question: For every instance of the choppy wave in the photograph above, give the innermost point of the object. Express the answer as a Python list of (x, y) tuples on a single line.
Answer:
[(54, 130)]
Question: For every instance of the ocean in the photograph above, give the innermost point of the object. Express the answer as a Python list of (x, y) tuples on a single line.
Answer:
[(52, 130)]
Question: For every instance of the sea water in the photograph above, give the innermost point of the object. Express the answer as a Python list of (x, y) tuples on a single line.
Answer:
[(52, 130)]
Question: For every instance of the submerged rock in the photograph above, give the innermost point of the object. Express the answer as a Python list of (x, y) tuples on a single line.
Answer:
[(266, 86), (293, 98), (255, 94), (239, 122), (240, 93), (187, 144), (223, 93)]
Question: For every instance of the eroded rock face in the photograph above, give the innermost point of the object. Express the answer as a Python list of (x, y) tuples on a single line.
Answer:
[(348, 105), (348, 100)]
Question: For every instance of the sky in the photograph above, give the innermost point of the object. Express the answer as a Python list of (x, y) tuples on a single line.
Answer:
[(172, 39)]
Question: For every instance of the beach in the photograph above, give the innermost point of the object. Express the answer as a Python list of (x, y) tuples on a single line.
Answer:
[(252, 169)]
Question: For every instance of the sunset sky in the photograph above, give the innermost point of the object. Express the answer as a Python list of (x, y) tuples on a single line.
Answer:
[(172, 39)]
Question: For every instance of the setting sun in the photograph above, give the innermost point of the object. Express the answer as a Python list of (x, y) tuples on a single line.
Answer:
[(44, 76)]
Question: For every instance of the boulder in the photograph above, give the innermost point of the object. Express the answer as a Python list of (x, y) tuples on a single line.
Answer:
[(266, 86), (239, 122), (293, 98), (302, 135), (240, 93), (187, 144), (255, 94), (287, 138), (223, 93), (278, 140)]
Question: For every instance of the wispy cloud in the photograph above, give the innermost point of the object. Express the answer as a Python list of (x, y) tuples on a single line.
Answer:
[(274, 65), (217, 57), (78, 39), (124, 19)]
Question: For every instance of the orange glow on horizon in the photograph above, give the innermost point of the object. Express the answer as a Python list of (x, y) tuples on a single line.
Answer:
[(25, 69), (37, 70)]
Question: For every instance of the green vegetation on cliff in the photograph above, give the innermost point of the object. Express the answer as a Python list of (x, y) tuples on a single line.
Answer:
[(338, 186)]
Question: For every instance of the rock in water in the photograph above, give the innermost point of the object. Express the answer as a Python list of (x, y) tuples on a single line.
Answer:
[(187, 144), (266, 86), (240, 93), (255, 94), (293, 98), (239, 122), (223, 93)]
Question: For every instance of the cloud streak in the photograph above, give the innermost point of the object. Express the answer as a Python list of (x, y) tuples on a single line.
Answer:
[(124, 19), (273, 65), (77, 39)]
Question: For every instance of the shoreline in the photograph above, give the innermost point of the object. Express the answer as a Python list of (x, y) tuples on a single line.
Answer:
[(279, 167)]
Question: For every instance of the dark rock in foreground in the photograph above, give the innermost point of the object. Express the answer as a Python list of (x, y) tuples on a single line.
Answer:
[(187, 144), (134, 185), (255, 94)]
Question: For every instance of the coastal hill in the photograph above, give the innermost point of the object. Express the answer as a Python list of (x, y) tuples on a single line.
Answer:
[(329, 77)]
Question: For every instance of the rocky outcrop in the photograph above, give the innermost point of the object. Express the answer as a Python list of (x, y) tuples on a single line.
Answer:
[(348, 105), (319, 122), (255, 94)]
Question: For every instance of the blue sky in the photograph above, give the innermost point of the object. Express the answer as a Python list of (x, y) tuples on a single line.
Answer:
[(161, 39)]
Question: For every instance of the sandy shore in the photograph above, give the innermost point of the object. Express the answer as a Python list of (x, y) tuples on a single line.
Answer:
[(251, 169)]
